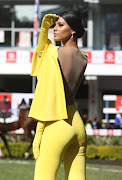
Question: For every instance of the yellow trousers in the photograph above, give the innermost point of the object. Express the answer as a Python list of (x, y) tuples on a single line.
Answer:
[(63, 140)]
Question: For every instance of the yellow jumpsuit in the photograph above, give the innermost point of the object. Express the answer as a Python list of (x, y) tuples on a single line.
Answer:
[(62, 134), (62, 140)]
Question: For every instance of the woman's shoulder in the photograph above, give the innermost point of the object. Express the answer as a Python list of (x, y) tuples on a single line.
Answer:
[(65, 49), (84, 55)]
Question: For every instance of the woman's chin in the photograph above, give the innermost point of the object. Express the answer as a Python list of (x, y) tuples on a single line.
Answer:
[(56, 39)]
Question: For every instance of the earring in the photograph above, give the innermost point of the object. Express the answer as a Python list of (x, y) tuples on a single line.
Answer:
[(72, 36)]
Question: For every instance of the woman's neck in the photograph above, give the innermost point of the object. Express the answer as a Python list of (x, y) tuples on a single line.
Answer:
[(70, 43)]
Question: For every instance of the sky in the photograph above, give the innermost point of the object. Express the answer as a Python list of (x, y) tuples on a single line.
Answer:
[(28, 10)]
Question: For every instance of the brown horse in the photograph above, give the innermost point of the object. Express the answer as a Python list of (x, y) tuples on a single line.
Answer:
[(28, 124)]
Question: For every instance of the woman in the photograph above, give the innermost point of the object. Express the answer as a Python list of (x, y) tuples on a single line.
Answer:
[(60, 133)]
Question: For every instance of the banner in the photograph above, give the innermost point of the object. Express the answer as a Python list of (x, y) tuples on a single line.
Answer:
[(98, 57), (89, 56), (2, 57), (109, 57), (94, 57), (11, 57), (23, 57), (118, 103)]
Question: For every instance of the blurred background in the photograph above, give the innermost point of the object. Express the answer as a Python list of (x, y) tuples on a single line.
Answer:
[(99, 98)]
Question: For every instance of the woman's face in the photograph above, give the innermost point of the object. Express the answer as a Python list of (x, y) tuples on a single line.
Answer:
[(62, 31)]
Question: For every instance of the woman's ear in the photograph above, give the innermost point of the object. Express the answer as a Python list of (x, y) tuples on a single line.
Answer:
[(73, 32)]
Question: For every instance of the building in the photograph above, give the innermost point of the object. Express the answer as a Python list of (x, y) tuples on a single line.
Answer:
[(103, 45)]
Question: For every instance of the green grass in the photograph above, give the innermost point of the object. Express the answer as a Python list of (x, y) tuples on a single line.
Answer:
[(24, 170), (106, 172)]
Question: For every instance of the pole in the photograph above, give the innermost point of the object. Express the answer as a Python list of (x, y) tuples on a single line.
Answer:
[(12, 33), (13, 28), (90, 27), (35, 36)]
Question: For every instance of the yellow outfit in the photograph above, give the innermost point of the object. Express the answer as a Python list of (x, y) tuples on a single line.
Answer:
[(62, 140), (49, 100), (60, 133)]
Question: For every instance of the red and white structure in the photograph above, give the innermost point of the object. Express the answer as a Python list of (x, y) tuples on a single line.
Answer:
[(104, 132), (94, 57)]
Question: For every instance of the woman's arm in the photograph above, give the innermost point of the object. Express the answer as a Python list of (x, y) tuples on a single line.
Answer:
[(38, 136), (47, 22)]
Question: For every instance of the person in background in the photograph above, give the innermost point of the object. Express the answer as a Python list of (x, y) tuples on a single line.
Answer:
[(98, 123), (5, 108), (84, 118), (108, 126), (93, 121), (120, 119), (117, 121), (88, 125)]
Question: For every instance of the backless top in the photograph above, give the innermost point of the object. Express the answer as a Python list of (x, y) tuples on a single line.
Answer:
[(72, 63), (55, 90)]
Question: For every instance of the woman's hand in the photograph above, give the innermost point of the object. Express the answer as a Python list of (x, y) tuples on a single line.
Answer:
[(37, 139), (36, 150), (48, 20)]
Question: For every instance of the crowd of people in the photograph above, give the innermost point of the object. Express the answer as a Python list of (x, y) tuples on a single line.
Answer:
[(95, 123)]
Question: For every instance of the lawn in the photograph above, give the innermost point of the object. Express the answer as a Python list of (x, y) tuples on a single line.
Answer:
[(24, 169)]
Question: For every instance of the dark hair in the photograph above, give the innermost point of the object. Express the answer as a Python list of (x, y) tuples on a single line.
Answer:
[(74, 21)]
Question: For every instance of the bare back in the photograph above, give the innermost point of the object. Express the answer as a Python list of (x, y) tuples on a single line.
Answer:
[(73, 64)]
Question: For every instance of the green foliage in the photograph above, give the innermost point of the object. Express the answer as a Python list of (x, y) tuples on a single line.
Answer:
[(100, 152), (91, 152), (17, 149), (104, 152)]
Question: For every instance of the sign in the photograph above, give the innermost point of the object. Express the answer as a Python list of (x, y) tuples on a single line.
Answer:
[(11, 57), (94, 57), (8, 95), (110, 57), (89, 56), (23, 57), (98, 57), (118, 103), (118, 57), (2, 57), (31, 55)]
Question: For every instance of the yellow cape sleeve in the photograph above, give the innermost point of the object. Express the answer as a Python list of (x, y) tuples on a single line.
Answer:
[(49, 102), (36, 60)]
